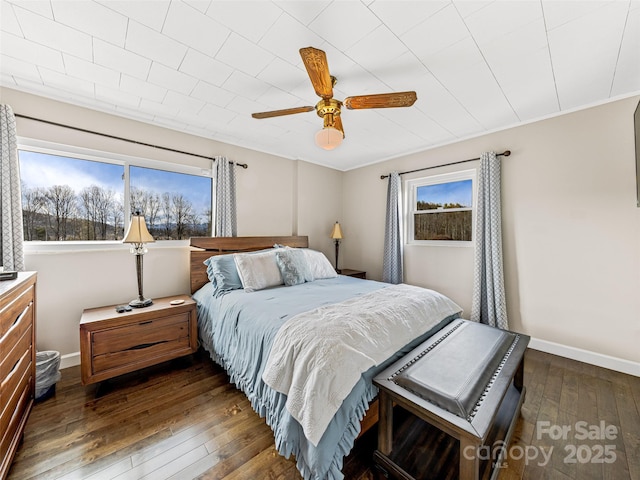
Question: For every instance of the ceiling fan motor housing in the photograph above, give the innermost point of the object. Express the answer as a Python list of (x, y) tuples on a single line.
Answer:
[(328, 109)]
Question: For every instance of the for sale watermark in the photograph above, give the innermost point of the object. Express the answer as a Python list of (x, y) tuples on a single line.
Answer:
[(585, 443)]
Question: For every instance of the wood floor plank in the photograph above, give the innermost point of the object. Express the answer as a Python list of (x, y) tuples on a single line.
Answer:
[(184, 420), (629, 426), (267, 465)]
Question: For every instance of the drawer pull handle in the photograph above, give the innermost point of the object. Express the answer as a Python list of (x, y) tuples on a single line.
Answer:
[(15, 367), (145, 345), (18, 318), (146, 323)]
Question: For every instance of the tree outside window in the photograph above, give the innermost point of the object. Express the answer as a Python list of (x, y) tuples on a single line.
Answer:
[(440, 208)]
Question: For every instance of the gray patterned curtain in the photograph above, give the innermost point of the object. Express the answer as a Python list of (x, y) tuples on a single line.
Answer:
[(10, 196), (392, 261), (489, 302), (226, 223)]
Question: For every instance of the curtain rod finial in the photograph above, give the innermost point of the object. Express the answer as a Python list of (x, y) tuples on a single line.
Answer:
[(506, 153)]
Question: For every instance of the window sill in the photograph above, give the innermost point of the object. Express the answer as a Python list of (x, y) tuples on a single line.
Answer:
[(35, 248), (438, 243)]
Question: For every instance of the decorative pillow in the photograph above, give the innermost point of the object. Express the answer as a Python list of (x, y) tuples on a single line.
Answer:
[(293, 266), (319, 265), (223, 274), (258, 270)]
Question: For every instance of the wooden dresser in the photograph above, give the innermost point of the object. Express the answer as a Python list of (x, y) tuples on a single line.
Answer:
[(113, 343), (18, 362)]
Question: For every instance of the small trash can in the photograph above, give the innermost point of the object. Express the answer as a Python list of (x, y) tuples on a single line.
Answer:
[(47, 373)]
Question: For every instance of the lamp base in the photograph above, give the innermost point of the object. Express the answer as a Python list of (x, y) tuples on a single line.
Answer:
[(140, 303)]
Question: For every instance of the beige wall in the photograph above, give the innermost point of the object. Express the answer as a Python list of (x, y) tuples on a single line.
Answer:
[(276, 196), (570, 223), (571, 228)]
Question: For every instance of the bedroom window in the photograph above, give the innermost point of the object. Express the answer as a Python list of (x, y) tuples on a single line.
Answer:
[(86, 196), (440, 209)]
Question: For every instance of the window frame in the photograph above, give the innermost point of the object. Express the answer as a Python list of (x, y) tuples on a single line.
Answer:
[(82, 153), (411, 189)]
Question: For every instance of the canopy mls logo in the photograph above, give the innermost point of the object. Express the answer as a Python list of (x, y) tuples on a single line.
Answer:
[(596, 446), (501, 452)]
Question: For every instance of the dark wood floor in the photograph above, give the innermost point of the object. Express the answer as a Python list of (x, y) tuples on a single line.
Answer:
[(183, 420)]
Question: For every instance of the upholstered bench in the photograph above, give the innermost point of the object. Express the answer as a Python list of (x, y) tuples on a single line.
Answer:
[(465, 381)]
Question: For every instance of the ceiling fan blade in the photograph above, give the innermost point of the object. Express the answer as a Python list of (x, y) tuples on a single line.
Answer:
[(286, 111), (337, 124), (381, 100), (315, 61)]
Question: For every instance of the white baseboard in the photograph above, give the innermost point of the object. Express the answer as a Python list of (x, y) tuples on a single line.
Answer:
[(586, 356), (69, 360)]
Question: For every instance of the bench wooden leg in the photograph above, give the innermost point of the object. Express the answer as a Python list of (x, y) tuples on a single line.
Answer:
[(469, 463), (385, 423)]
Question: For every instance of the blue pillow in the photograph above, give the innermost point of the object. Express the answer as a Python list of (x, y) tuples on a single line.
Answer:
[(293, 266), (223, 274)]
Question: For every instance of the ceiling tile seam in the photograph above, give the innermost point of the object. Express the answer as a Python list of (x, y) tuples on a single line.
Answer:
[(164, 20), (275, 54), (210, 18), (52, 20), (453, 96), (419, 60), (553, 70), (624, 29), (426, 67), (488, 65), (24, 35), (316, 17), (12, 6)]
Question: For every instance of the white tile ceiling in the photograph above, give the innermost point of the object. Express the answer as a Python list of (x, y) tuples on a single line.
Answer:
[(203, 67)]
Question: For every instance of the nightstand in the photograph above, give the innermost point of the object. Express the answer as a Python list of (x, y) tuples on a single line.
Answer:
[(353, 273), (113, 343)]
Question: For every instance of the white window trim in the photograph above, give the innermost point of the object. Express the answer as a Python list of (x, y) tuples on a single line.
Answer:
[(58, 149), (411, 188)]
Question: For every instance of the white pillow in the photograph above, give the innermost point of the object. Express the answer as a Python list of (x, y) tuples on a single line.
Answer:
[(258, 270), (319, 264)]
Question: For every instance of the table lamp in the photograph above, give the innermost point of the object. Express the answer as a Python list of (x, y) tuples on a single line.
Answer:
[(336, 234), (137, 236)]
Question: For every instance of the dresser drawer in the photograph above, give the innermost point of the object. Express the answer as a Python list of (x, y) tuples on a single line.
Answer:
[(13, 361), (13, 308), (15, 331), (12, 388), (14, 417), (140, 342)]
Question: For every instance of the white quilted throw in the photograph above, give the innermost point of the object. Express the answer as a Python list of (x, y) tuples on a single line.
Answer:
[(318, 356)]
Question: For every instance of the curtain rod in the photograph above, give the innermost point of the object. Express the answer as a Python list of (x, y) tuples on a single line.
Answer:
[(506, 153), (243, 165)]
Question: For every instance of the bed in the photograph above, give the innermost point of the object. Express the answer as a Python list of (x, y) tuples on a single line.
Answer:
[(255, 331)]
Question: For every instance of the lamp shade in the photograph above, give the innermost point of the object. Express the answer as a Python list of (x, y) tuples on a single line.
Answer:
[(138, 232), (329, 138), (336, 233)]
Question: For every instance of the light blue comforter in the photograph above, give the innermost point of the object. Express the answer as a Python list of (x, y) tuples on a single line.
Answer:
[(238, 329)]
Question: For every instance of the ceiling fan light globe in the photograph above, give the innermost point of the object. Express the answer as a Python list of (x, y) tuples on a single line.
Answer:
[(328, 138)]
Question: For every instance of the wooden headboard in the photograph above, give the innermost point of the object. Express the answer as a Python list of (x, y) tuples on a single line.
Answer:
[(205, 247)]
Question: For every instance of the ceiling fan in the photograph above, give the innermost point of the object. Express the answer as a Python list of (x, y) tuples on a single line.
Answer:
[(328, 108)]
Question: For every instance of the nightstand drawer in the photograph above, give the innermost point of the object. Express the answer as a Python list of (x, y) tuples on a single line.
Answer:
[(138, 335), (139, 342)]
